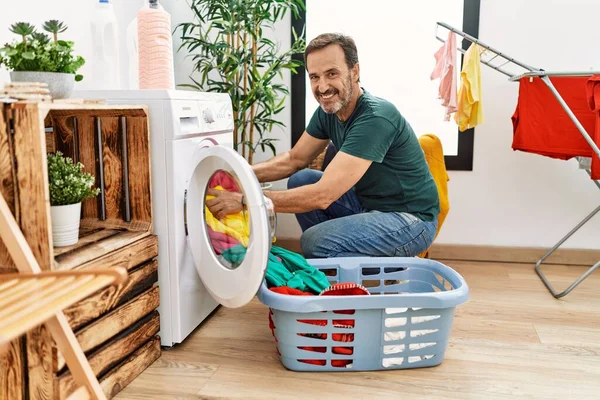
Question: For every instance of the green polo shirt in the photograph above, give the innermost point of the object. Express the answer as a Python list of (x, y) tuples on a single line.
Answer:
[(399, 178)]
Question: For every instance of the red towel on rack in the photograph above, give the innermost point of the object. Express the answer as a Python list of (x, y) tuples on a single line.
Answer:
[(542, 126), (593, 98)]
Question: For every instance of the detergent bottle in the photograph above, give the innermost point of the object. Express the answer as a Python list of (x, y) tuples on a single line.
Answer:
[(105, 67), (155, 48)]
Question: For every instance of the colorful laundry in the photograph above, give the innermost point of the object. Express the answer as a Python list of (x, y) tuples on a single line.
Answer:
[(592, 88), (225, 180), (235, 225), (220, 241), (445, 62), (469, 111), (291, 268), (285, 268), (540, 124), (340, 289)]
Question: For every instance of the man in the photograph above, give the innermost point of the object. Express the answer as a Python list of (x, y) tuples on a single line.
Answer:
[(376, 197)]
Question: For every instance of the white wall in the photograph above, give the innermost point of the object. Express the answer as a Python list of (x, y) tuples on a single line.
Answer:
[(76, 14), (511, 198), (514, 198)]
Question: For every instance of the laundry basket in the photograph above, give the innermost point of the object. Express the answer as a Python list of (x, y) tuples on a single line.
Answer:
[(405, 322)]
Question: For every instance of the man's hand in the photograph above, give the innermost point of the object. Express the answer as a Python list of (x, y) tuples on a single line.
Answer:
[(224, 203)]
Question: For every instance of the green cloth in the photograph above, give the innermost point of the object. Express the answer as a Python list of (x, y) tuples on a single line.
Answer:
[(399, 178), (293, 271)]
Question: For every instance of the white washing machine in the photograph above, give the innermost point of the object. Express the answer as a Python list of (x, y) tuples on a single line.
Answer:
[(191, 139)]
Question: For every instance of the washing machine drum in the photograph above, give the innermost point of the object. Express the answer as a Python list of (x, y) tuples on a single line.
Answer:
[(230, 254)]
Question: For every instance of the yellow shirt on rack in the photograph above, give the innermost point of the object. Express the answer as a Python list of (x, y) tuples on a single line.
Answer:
[(469, 108)]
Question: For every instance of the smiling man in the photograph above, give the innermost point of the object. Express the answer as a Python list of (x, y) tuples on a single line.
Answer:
[(376, 197)]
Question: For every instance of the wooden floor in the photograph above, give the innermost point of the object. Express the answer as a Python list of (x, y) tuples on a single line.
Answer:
[(511, 340)]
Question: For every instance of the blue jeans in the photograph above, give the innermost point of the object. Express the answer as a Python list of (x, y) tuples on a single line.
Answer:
[(347, 229)]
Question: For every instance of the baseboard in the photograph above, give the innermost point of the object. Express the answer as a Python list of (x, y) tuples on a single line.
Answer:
[(505, 254), (511, 254)]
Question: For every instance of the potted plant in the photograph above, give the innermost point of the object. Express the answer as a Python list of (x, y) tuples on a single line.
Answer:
[(37, 57), (232, 55), (69, 186)]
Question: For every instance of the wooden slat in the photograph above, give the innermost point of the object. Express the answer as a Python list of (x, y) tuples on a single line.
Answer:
[(138, 156), (7, 179), (41, 352), (110, 298), (119, 377), (134, 225), (80, 394), (65, 136), (116, 351), (12, 377), (115, 322), (87, 156), (113, 166), (128, 257), (31, 309), (86, 239), (32, 179), (50, 142), (100, 248), (109, 111), (33, 196)]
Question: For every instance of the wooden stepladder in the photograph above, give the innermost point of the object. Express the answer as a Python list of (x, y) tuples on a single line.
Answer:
[(32, 297)]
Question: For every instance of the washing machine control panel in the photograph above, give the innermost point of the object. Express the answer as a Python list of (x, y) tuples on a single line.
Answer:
[(201, 117), (209, 115), (217, 115)]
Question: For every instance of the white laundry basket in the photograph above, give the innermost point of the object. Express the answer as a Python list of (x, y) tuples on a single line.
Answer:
[(405, 322)]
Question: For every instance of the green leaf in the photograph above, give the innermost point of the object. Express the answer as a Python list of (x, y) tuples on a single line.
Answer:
[(68, 183), (22, 28), (78, 78), (221, 65), (28, 55)]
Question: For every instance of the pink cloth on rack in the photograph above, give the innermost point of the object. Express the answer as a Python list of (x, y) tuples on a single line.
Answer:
[(220, 241), (445, 62), (592, 89)]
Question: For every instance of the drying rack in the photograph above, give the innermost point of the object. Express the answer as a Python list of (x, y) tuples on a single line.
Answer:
[(523, 71)]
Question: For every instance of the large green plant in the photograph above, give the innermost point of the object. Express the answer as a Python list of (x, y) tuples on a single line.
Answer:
[(38, 52), (232, 55)]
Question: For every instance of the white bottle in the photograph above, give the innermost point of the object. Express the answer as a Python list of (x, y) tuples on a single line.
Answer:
[(133, 69), (105, 47)]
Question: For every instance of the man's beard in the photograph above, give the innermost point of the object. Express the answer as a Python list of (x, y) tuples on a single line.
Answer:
[(342, 102)]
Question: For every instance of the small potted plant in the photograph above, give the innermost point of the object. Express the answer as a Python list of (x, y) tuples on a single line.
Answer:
[(38, 57), (69, 186)]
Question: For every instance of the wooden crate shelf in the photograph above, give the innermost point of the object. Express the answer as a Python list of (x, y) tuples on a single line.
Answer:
[(117, 327)]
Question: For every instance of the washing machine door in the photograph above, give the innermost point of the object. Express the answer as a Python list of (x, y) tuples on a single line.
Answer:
[(230, 254)]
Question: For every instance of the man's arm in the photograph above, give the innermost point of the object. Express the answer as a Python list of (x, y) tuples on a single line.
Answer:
[(285, 164), (340, 176)]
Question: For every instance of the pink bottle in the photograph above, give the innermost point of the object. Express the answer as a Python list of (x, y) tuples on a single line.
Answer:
[(155, 48)]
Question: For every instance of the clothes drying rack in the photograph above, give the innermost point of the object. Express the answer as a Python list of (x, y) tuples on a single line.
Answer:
[(524, 71)]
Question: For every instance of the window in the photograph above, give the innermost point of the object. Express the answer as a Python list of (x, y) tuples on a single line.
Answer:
[(396, 41)]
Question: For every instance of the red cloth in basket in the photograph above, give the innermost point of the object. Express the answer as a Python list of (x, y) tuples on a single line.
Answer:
[(340, 289)]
